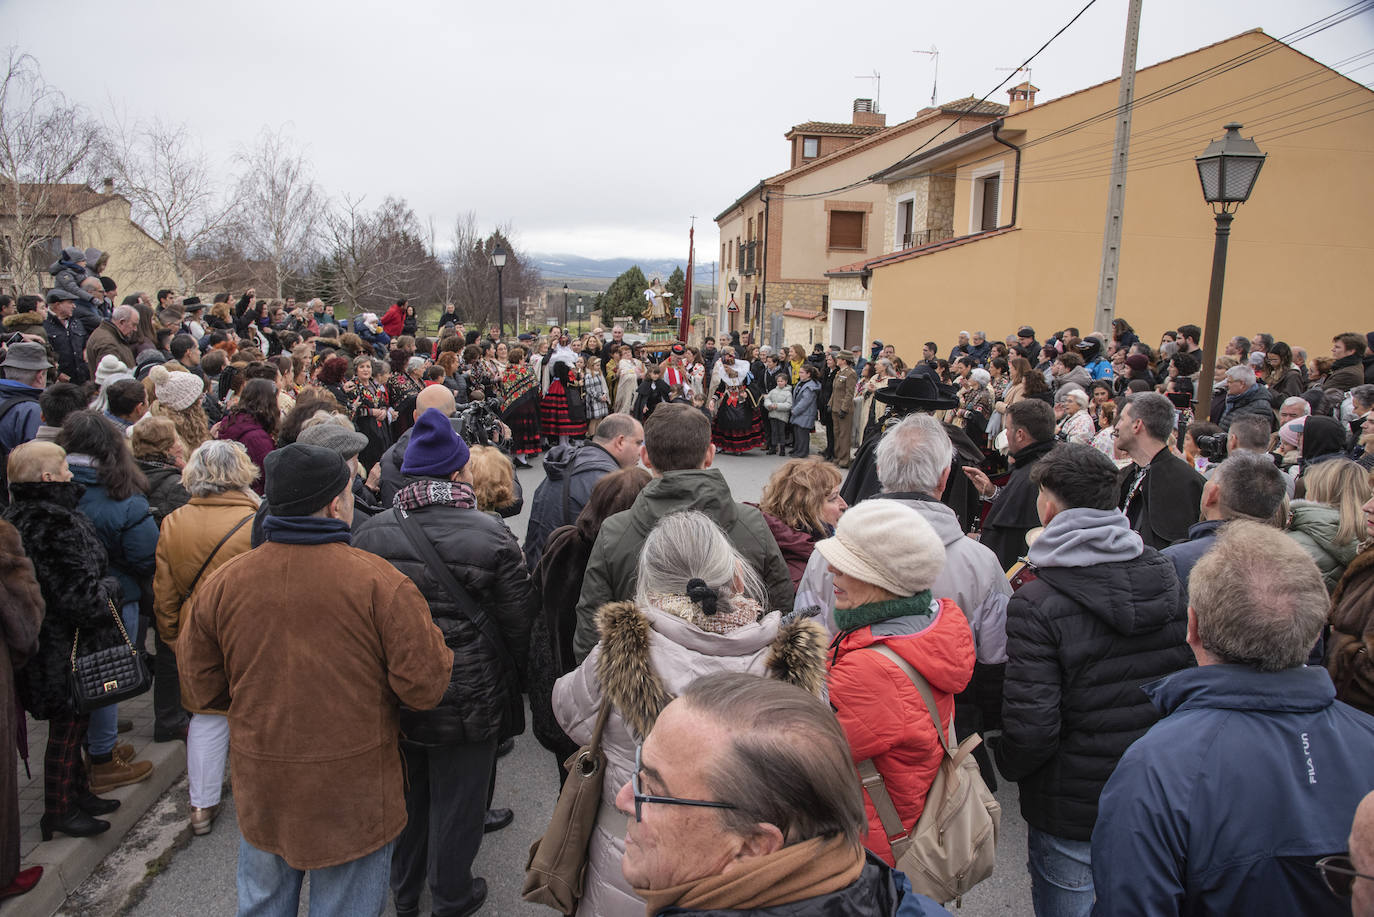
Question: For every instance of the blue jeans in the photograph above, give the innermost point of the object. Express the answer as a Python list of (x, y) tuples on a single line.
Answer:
[(1061, 875), (104, 730), (270, 887)]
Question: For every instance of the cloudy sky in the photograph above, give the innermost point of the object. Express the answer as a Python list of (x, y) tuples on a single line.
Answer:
[(595, 128)]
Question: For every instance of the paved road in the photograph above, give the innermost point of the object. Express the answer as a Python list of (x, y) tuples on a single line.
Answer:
[(199, 877)]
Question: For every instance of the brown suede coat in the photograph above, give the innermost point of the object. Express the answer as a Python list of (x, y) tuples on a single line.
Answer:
[(1349, 649), (312, 648), (21, 613)]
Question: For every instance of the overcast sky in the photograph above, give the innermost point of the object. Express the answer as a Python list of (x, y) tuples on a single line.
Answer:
[(593, 128)]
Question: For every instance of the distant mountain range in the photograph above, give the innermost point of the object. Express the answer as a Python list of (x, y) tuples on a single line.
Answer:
[(568, 267)]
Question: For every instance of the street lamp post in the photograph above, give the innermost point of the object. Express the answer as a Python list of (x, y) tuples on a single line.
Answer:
[(565, 307), (579, 315), (498, 258), (731, 307), (1228, 169)]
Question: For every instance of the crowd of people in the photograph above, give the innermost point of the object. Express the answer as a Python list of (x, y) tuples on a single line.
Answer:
[(1161, 624)]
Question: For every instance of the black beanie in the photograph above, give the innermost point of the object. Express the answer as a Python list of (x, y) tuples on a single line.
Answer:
[(302, 479)]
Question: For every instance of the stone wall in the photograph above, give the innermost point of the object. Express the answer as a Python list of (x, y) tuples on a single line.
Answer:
[(804, 294)]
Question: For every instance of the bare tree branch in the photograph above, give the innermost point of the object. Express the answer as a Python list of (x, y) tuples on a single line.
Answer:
[(174, 196), (45, 143), (282, 207)]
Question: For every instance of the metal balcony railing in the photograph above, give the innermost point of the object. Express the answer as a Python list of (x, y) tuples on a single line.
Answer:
[(926, 237)]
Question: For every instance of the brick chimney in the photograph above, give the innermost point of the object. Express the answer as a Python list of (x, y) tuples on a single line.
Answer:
[(865, 116), (107, 186), (1022, 98)]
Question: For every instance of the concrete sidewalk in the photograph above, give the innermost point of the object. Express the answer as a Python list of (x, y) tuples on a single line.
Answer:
[(68, 861)]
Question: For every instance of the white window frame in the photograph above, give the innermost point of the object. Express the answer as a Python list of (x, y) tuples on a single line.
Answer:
[(837, 321), (897, 233), (975, 211)]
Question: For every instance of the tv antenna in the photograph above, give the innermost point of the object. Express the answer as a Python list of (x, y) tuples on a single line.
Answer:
[(877, 79), (1017, 70), (934, 55)]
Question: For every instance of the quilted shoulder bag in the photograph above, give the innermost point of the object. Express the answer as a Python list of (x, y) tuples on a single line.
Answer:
[(953, 845), (108, 676)]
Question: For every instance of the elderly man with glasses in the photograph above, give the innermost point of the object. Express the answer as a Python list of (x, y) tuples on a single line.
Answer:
[(770, 820)]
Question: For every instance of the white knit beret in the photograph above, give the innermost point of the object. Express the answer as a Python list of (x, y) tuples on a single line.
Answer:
[(176, 390), (887, 544)]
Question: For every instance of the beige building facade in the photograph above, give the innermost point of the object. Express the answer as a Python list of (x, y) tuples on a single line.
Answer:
[(778, 240), (82, 218), (1024, 223)]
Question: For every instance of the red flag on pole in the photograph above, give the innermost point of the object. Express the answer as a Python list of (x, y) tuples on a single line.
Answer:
[(686, 305)]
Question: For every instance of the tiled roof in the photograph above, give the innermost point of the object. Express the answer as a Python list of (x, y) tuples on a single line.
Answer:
[(834, 127), (59, 200), (971, 106)]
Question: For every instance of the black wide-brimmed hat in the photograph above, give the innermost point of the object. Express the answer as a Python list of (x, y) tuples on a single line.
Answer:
[(920, 390)]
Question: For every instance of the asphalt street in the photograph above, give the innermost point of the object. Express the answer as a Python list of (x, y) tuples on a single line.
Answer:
[(197, 877)]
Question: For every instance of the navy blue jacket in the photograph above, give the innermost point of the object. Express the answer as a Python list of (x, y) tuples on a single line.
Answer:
[(20, 423), (1186, 554), (1224, 805), (127, 530)]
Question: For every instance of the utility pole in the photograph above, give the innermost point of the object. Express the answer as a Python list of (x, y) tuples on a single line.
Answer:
[(1116, 195)]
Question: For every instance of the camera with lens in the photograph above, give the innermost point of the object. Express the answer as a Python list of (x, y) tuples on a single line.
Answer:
[(479, 422), (1211, 446)]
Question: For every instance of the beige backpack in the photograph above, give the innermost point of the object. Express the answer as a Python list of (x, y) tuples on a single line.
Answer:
[(953, 845)]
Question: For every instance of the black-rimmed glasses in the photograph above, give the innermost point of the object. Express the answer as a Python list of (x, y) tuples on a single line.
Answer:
[(1339, 874), (641, 797)]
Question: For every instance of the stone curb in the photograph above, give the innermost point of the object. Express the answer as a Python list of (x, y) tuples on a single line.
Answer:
[(69, 861)]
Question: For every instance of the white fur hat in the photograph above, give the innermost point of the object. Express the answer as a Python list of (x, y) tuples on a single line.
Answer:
[(887, 544), (111, 369)]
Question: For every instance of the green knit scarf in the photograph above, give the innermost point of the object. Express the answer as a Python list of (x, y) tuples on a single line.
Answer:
[(848, 619)]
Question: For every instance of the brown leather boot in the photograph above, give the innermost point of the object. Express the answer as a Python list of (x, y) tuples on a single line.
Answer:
[(118, 772)]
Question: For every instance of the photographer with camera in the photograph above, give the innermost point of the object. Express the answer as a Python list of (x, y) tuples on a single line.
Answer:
[(1250, 434), (478, 422)]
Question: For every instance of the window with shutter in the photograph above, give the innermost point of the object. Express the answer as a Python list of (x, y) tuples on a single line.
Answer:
[(847, 229), (991, 186)]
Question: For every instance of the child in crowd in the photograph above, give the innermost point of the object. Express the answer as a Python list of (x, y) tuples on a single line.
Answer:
[(778, 403)]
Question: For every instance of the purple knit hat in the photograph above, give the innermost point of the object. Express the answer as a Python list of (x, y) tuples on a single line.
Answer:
[(434, 450)]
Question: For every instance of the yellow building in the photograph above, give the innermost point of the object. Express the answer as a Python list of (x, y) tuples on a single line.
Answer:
[(779, 238), (1030, 200), (74, 215)]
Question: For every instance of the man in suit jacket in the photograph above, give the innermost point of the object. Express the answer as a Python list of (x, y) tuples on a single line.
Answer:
[(842, 405), (1160, 492)]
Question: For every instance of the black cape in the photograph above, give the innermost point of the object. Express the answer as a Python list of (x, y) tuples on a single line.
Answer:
[(862, 480)]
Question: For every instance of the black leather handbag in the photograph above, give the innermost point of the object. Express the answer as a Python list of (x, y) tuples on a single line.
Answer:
[(108, 676)]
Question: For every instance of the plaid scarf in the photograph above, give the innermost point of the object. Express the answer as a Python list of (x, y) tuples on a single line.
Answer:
[(428, 492)]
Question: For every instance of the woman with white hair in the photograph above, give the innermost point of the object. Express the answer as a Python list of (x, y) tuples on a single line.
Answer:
[(697, 610), (200, 537), (975, 407), (1075, 424)]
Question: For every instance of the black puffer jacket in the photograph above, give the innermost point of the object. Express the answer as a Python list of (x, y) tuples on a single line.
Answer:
[(165, 492), (1254, 400), (69, 562), (1081, 641), (484, 698)]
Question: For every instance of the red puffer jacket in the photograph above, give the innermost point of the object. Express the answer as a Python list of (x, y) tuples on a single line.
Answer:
[(393, 322), (883, 715)]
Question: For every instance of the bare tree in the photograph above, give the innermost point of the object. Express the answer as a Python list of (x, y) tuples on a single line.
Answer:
[(283, 208), (474, 278), (375, 257), (173, 194), (46, 149)]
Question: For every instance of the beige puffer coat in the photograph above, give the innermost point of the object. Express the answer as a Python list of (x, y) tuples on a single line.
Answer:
[(655, 647)]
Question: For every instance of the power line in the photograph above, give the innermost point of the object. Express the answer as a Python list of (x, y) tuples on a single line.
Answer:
[(973, 108)]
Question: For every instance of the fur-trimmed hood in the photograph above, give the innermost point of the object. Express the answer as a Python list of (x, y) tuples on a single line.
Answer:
[(795, 653)]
